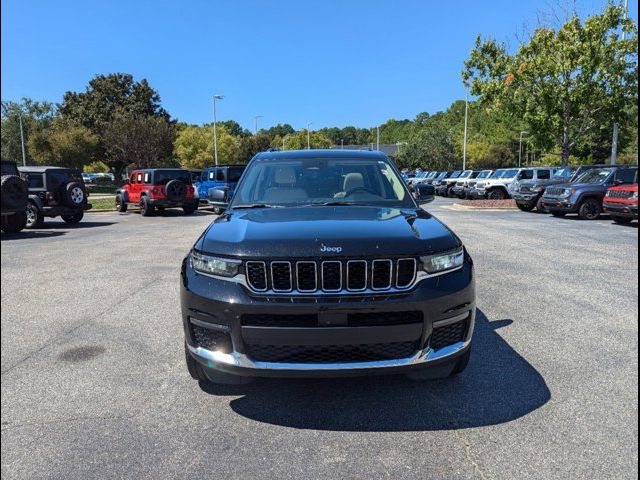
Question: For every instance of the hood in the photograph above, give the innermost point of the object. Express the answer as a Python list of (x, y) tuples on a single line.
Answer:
[(341, 231)]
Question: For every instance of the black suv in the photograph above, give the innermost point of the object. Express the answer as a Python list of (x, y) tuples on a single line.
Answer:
[(324, 264), (14, 198), (55, 192), (586, 191)]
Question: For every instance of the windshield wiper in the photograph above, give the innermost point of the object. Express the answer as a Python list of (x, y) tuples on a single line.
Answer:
[(256, 205), (335, 203)]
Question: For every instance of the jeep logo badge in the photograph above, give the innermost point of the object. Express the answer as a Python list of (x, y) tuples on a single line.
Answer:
[(324, 249)]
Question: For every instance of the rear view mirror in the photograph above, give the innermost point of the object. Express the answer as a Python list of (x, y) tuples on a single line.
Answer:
[(424, 193)]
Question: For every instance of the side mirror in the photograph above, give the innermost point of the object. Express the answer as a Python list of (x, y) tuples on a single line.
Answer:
[(218, 196), (424, 193)]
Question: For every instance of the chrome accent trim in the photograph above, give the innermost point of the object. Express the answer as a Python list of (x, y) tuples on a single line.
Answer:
[(450, 321), (373, 273), (236, 359), (210, 326), (415, 270), (248, 282), (290, 289), (322, 275), (315, 276), (366, 275)]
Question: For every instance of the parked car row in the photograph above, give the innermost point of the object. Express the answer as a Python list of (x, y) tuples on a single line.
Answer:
[(587, 190)]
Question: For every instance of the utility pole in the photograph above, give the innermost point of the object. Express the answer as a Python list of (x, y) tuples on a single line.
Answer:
[(309, 135), (342, 144), (215, 128), (466, 122), (614, 141), (256, 119), (24, 155), (378, 138), (520, 150)]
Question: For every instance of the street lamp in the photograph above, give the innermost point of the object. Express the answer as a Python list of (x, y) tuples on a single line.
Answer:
[(215, 128), (309, 136), (256, 119), (520, 151), (466, 122)]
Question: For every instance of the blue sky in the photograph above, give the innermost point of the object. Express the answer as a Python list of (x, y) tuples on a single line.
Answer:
[(331, 62)]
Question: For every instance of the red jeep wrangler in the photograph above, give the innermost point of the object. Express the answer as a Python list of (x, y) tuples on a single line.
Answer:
[(158, 188), (621, 202)]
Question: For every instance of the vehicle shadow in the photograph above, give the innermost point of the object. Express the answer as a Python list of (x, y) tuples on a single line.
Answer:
[(83, 224), (26, 234), (498, 386)]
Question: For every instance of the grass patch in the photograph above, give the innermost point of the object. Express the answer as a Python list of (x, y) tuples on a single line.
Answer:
[(103, 203), (102, 188)]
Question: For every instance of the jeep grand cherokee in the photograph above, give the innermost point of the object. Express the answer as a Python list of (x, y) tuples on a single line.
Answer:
[(324, 264)]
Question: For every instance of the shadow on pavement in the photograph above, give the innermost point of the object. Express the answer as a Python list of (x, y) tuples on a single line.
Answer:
[(76, 226), (26, 234), (498, 386)]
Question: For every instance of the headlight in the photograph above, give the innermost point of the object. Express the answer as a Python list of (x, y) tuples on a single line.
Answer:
[(443, 261), (566, 193), (537, 189), (223, 267), (634, 196)]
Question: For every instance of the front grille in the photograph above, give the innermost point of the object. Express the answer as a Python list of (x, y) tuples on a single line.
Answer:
[(525, 188), (471, 184), (331, 353), (460, 184), (211, 339), (554, 191), (480, 185), (624, 194), (367, 319), (448, 334), (308, 276)]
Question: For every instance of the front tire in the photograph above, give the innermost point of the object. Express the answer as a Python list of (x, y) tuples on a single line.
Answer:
[(541, 208), (622, 220), (73, 219), (590, 209), (497, 194), (189, 208), (35, 219), (146, 209), (558, 214), (121, 205)]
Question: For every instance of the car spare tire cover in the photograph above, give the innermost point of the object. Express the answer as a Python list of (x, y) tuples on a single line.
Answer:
[(175, 190), (14, 192), (75, 194)]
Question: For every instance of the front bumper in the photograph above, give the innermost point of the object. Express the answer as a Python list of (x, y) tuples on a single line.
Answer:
[(221, 305), (459, 191), (476, 194), (559, 204), (525, 197), (621, 209)]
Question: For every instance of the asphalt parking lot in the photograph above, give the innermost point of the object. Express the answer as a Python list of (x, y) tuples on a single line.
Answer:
[(94, 382)]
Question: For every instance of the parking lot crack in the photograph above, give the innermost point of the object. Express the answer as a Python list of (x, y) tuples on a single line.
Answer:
[(84, 321)]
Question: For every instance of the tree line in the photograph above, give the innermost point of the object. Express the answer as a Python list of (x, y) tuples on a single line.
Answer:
[(560, 91)]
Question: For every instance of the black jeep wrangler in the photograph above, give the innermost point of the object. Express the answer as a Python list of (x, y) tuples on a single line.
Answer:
[(324, 264), (14, 198), (55, 192)]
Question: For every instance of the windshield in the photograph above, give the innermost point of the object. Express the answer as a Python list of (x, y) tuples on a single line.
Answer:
[(304, 181), (465, 174), (597, 175), (509, 173), (162, 177), (564, 173), (498, 174), (455, 174), (484, 174)]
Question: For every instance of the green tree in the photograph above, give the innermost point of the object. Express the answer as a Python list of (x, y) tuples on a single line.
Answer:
[(298, 141), (564, 83), (63, 144), (431, 148), (193, 146), (280, 130), (136, 139), (35, 116)]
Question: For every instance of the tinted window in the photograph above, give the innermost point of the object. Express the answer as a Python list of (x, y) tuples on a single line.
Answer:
[(234, 174), (526, 175), (162, 177), (57, 178), (627, 175), (544, 174), (220, 175), (304, 181), (35, 180), (509, 173)]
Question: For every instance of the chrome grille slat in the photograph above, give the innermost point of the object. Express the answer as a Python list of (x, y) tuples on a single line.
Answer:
[(331, 276)]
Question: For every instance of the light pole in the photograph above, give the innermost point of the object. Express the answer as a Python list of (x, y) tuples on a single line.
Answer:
[(520, 150), (342, 144), (256, 119), (614, 141), (378, 138), (24, 155), (215, 128), (466, 122), (309, 136)]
